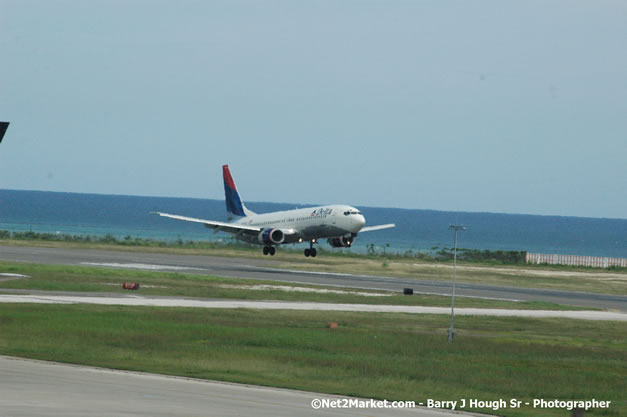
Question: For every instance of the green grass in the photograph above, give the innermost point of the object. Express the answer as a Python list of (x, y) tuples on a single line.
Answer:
[(99, 279), (372, 355)]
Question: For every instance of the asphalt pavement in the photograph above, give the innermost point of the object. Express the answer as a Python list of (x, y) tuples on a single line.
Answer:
[(31, 388)]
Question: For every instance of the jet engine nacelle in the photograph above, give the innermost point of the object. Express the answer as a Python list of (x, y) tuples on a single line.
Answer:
[(271, 236), (341, 242)]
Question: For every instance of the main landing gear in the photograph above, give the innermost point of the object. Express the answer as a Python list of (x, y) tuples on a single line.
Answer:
[(311, 251), (271, 250)]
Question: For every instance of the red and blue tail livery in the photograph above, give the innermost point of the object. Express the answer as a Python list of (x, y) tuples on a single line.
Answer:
[(234, 206), (339, 224)]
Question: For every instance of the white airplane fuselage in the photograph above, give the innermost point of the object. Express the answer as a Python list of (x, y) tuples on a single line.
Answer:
[(308, 224)]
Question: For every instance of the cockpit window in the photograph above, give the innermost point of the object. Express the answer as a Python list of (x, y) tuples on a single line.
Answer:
[(348, 213)]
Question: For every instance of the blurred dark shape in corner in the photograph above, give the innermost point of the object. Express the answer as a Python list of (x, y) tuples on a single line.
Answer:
[(3, 129)]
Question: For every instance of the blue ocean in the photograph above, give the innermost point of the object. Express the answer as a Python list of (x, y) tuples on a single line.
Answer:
[(417, 230)]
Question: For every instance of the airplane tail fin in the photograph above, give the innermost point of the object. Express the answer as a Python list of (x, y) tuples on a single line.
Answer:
[(3, 129), (234, 205)]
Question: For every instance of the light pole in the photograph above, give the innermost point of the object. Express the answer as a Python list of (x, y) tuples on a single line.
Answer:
[(451, 330)]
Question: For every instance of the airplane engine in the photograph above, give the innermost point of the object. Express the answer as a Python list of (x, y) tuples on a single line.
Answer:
[(271, 236), (341, 242)]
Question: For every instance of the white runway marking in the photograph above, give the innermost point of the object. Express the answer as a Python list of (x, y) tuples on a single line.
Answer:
[(8, 274), (149, 267), (280, 305)]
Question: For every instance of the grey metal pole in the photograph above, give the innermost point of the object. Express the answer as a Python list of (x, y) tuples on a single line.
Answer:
[(451, 330)]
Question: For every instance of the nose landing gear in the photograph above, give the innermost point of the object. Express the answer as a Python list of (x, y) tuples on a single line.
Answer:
[(311, 251)]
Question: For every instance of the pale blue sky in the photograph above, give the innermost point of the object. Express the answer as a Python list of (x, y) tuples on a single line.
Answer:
[(499, 106)]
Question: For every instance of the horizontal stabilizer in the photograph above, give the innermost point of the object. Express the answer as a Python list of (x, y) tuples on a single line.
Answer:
[(3, 129), (379, 227)]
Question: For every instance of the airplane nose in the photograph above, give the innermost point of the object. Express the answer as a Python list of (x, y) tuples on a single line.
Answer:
[(360, 220)]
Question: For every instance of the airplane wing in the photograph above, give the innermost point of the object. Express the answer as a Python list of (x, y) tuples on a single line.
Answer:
[(217, 226), (379, 227)]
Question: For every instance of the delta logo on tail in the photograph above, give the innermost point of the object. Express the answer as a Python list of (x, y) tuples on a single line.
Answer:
[(339, 223)]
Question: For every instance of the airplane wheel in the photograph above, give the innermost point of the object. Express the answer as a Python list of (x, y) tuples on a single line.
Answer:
[(314, 252), (265, 250), (307, 252), (272, 250)]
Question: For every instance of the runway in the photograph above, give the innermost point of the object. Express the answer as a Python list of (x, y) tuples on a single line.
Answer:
[(148, 301), (265, 269), (31, 388)]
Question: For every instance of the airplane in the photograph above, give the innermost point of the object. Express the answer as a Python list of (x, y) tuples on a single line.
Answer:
[(339, 224)]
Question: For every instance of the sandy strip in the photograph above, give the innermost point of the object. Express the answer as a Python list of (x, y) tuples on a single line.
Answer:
[(149, 267), (280, 305), (287, 288)]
